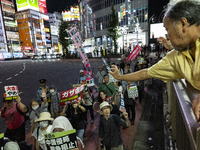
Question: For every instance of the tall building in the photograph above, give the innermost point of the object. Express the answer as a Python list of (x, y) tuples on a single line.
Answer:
[(34, 27), (95, 18), (55, 21), (9, 36)]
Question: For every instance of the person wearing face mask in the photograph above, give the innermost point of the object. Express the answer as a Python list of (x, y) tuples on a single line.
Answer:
[(62, 124), (75, 113), (45, 127), (37, 109), (54, 101)]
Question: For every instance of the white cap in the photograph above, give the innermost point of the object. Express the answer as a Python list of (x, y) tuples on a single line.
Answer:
[(81, 71)]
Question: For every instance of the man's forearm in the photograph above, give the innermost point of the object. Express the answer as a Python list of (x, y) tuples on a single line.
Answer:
[(127, 122), (136, 76)]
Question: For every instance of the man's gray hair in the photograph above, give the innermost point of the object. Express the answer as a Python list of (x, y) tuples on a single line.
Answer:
[(189, 9)]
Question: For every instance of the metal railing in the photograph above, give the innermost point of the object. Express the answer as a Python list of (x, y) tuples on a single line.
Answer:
[(185, 129)]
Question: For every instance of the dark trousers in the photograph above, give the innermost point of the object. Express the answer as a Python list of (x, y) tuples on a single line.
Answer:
[(91, 112), (17, 134), (132, 110), (140, 92)]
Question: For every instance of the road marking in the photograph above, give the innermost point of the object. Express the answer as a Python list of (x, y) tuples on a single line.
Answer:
[(21, 71), (24, 66), (16, 75), (9, 78)]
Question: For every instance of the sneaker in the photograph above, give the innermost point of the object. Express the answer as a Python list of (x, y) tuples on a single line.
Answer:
[(92, 121)]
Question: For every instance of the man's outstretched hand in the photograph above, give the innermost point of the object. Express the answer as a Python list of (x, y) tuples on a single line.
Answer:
[(115, 72), (166, 43), (196, 108)]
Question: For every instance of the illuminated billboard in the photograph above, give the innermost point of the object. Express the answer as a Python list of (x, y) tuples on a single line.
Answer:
[(42, 6), (27, 4), (72, 14)]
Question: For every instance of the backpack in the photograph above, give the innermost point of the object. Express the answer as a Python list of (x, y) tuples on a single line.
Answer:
[(26, 114)]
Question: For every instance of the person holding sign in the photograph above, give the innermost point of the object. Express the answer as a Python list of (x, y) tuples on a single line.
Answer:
[(45, 127), (15, 121), (130, 102), (61, 124), (75, 113), (109, 128)]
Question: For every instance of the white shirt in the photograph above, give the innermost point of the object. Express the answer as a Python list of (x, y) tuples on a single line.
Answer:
[(41, 140)]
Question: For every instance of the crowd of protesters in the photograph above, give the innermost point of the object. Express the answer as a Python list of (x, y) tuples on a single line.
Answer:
[(45, 111)]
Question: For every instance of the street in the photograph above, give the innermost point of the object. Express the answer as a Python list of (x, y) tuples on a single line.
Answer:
[(26, 74)]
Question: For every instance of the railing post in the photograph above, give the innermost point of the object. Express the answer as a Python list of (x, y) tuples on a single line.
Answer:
[(198, 138)]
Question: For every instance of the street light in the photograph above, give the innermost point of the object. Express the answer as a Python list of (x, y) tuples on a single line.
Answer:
[(123, 29)]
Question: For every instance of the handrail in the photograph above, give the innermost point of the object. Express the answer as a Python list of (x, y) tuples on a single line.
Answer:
[(185, 129)]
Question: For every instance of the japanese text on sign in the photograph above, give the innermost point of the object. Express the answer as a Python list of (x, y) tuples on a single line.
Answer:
[(65, 140), (11, 90), (72, 92)]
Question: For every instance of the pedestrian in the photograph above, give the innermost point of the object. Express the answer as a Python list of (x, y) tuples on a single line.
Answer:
[(97, 52), (109, 128), (89, 100), (42, 86), (61, 124), (15, 120), (107, 86), (122, 64), (94, 52), (130, 103), (181, 21), (103, 97), (54, 96), (75, 113), (128, 69), (104, 68), (100, 74), (37, 108), (45, 127), (82, 78)]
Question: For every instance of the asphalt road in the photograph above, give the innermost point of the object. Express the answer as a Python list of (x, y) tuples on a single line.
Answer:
[(26, 74)]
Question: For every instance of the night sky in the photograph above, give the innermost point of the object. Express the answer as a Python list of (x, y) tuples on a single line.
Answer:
[(59, 5)]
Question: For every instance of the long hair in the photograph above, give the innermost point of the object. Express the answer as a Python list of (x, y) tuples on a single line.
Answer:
[(99, 98)]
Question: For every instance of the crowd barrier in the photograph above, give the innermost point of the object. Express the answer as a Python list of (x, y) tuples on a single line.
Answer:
[(185, 129)]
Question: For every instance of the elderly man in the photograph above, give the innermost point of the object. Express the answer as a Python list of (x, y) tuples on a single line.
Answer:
[(182, 23)]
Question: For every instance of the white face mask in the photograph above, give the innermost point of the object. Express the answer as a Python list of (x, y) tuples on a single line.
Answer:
[(52, 91), (44, 124), (35, 108), (74, 105)]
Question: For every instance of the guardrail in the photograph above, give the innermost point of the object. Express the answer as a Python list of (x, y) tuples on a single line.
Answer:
[(185, 129)]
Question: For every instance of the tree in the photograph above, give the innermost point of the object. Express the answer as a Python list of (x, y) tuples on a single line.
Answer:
[(64, 38), (113, 24)]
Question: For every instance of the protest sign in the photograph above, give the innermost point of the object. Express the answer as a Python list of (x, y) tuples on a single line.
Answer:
[(65, 140), (134, 53), (122, 105), (105, 63), (11, 92), (71, 100), (109, 99), (75, 85), (1, 141), (132, 91), (75, 36), (72, 92)]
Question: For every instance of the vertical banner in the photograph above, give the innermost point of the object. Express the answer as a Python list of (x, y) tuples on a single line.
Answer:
[(42, 6), (134, 53), (122, 105), (77, 41), (65, 140)]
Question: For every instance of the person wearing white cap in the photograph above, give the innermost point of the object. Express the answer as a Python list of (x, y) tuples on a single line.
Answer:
[(109, 128), (45, 127), (82, 76)]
